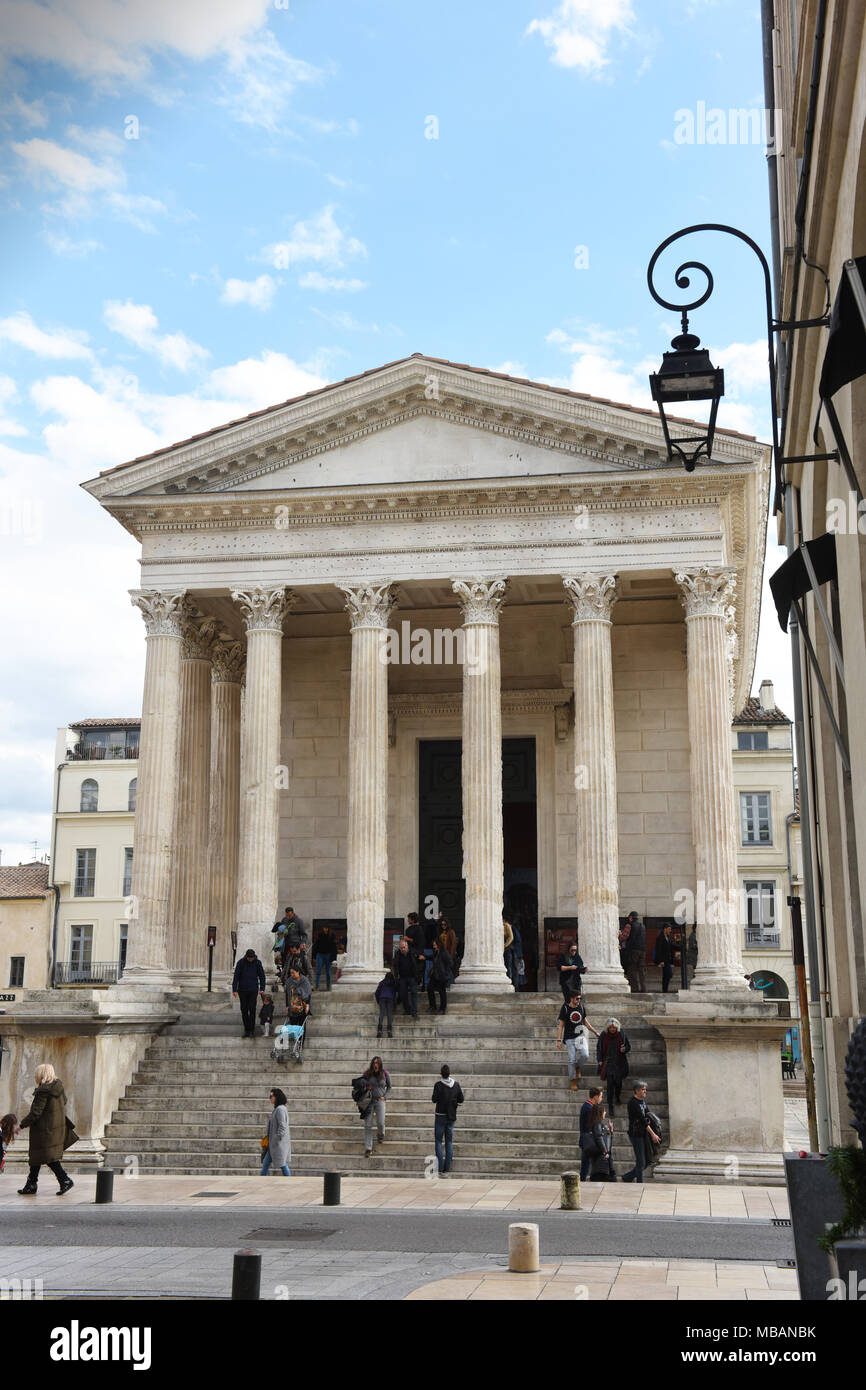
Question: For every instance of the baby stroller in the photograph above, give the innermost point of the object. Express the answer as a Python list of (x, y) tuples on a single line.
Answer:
[(289, 1043)]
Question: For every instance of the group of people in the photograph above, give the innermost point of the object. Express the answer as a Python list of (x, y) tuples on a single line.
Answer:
[(632, 953), (596, 1136), (370, 1092), (426, 958), (51, 1132)]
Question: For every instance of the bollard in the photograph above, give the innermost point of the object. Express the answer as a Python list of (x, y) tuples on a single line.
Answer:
[(569, 1192), (104, 1186), (331, 1196), (523, 1248), (247, 1275)]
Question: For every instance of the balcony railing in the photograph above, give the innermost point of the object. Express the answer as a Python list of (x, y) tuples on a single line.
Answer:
[(92, 752), (764, 936), (92, 972)]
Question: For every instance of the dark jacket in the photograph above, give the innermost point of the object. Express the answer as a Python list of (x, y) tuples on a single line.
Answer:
[(416, 936), (442, 968), (664, 951), (249, 977), (404, 965), (601, 1166), (612, 1062), (447, 1098), (584, 1117), (636, 939), (325, 945), (638, 1117), (46, 1121), (386, 988)]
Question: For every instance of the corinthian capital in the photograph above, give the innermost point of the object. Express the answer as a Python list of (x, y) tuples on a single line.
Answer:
[(369, 605), (480, 599), (229, 659), (198, 633), (162, 613), (592, 596), (707, 592), (263, 610)]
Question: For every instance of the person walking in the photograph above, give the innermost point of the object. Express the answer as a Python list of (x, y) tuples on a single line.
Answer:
[(248, 983), (663, 955), (407, 981), (266, 1014), (570, 970), (601, 1166), (440, 974), (279, 1150), (447, 1095), (571, 1026), (584, 1130), (639, 1132), (635, 953), (379, 1087), (46, 1120), (386, 990), (324, 952), (611, 1052)]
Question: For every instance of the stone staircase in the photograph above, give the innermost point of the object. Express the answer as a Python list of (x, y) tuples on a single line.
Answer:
[(198, 1103)]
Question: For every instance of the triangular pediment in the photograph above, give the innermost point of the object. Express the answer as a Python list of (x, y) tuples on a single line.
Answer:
[(420, 420)]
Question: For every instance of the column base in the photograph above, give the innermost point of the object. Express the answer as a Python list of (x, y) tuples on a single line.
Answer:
[(145, 977), (713, 1166), (189, 979), (482, 979), (359, 977), (713, 978)]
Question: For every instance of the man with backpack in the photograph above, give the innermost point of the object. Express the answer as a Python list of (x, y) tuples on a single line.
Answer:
[(447, 1095)]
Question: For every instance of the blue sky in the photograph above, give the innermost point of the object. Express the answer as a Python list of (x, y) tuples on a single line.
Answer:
[(212, 205)]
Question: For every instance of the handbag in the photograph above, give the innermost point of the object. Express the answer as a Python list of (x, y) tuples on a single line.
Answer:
[(264, 1142), (70, 1137)]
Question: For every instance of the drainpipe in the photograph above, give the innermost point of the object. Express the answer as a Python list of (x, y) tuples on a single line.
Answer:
[(53, 984)]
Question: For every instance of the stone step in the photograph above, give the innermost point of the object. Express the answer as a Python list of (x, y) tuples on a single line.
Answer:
[(404, 1150), (554, 1114), (355, 1165)]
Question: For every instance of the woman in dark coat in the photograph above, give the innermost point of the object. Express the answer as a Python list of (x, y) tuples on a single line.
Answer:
[(601, 1169), (46, 1121), (611, 1053)]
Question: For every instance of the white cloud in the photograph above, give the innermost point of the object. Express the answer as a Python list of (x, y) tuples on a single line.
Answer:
[(63, 245), (580, 32), (258, 293), (136, 208), (518, 369), (138, 323), (257, 382), (62, 342), (46, 160), (315, 280), (8, 394), (32, 113), (319, 240), (264, 78), (745, 364), (598, 368), (83, 181)]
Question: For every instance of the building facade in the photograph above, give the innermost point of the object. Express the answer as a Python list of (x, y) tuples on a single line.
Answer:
[(816, 78), (26, 919), (95, 791), (428, 638)]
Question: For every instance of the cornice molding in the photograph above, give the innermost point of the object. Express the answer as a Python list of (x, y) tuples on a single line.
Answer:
[(423, 705)]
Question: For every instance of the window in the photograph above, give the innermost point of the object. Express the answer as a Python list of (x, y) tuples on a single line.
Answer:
[(133, 793), (761, 927), (127, 872), (121, 956), (756, 740), (89, 794), (80, 952), (85, 872), (16, 972), (755, 818)]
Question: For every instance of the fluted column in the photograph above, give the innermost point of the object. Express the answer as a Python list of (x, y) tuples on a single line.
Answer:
[(189, 895), (707, 595), (225, 790), (263, 612), (369, 607), (592, 597), (483, 968), (147, 961)]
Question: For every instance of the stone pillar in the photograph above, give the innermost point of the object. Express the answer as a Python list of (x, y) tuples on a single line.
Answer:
[(707, 595), (263, 612), (592, 597), (189, 895), (483, 969), (369, 607), (147, 960), (225, 790)]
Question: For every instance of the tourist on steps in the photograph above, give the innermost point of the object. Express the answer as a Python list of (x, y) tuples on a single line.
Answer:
[(570, 970), (571, 1030), (407, 982), (447, 1095), (266, 1014), (441, 972), (611, 1053), (379, 1088), (584, 1131), (601, 1167), (386, 991), (46, 1120), (299, 992), (635, 954), (279, 1151), (247, 984), (324, 952), (640, 1132)]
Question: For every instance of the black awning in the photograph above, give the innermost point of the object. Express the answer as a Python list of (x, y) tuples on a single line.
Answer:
[(791, 580), (845, 358)]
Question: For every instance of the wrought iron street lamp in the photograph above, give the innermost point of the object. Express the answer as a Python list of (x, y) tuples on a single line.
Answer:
[(687, 374)]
